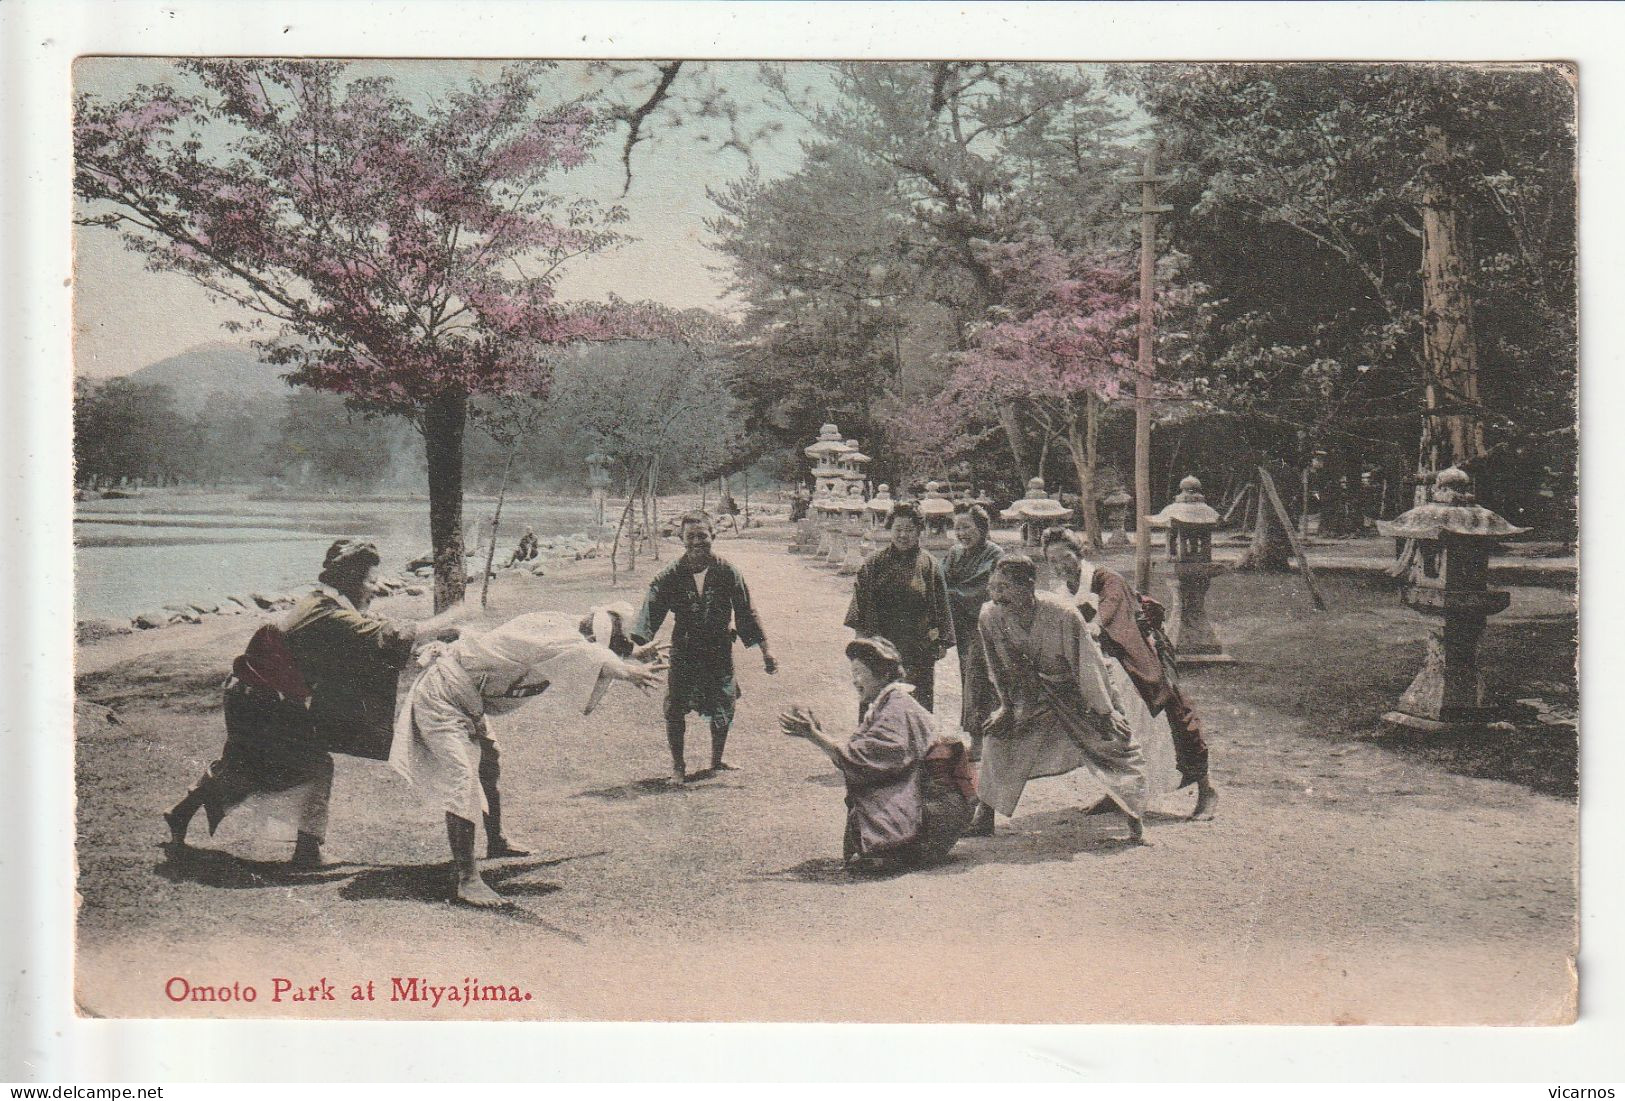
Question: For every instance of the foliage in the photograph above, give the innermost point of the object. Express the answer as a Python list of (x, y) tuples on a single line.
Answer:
[(661, 405), (865, 270), (1297, 204)]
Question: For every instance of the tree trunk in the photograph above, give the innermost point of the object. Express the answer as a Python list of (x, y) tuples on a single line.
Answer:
[(496, 518), (1086, 489), (654, 506), (1012, 434), (1447, 313), (615, 547), (444, 419), (1080, 444)]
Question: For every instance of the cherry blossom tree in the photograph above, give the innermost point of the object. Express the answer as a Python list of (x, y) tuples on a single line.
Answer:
[(1061, 346), (402, 254)]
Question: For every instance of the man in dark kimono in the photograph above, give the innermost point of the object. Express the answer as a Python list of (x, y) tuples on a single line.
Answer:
[(710, 606), (1144, 654), (901, 596), (324, 681)]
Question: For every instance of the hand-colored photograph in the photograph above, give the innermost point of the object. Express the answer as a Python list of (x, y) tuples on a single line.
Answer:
[(852, 541)]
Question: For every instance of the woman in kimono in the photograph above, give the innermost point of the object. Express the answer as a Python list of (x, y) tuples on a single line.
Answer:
[(442, 744), (967, 569), (908, 795), (325, 678)]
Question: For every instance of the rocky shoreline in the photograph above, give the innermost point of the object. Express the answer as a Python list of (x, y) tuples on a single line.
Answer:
[(413, 580)]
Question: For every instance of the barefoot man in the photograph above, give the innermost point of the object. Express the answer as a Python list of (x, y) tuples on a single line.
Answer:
[(710, 605), (443, 745), (1145, 657), (1056, 711)]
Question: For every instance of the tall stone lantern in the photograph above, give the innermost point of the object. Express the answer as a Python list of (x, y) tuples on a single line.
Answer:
[(829, 486), (1117, 502), (1444, 559), (1190, 521), (829, 473), (598, 484)]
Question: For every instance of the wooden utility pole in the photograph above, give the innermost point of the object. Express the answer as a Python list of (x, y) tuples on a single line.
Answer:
[(1146, 370)]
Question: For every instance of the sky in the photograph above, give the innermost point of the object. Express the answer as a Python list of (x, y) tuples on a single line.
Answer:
[(126, 317)]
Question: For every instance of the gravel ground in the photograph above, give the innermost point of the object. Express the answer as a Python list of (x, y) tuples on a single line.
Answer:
[(1350, 876)]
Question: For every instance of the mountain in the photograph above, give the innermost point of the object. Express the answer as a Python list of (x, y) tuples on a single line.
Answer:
[(197, 372)]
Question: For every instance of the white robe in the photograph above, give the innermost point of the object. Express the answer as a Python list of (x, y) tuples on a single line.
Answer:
[(439, 729)]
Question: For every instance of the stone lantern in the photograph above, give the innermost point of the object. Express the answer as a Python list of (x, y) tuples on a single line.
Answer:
[(880, 506), (1444, 559), (829, 476), (1190, 521), (598, 484), (829, 483), (851, 527), (1117, 502), (852, 463), (936, 514), (1035, 512)]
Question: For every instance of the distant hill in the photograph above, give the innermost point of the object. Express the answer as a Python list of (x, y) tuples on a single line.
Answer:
[(197, 372)]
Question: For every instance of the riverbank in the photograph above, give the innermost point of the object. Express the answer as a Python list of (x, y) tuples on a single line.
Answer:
[(1349, 877)]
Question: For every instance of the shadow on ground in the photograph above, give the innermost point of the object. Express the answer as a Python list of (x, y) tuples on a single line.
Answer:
[(217, 868), (1029, 839), (432, 882), (658, 785)]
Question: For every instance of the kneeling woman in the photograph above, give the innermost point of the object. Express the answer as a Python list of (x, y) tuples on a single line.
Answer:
[(908, 795), (442, 745)]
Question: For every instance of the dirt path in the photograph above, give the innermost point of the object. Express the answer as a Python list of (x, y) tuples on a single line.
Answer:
[(1345, 879)]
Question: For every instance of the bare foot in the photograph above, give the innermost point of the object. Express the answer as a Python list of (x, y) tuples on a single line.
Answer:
[(177, 827), (679, 775), (1136, 831), (501, 847), (1105, 806), (474, 891), (1207, 798), (723, 766), (306, 862)]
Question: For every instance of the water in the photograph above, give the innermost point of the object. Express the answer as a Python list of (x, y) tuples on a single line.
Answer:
[(137, 555)]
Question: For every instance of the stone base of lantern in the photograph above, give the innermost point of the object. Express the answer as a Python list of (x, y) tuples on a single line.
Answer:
[(1196, 640), (1447, 696), (854, 558)]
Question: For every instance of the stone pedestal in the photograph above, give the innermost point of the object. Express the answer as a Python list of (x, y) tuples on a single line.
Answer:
[(1117, 503), (1196, 641), (1447, 694)]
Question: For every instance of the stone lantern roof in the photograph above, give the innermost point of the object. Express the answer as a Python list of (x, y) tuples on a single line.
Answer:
[(882, 501), (1036, 505), (1118, 496), (1189, 507), (934, 504), (829, 444), (1454, 510)]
